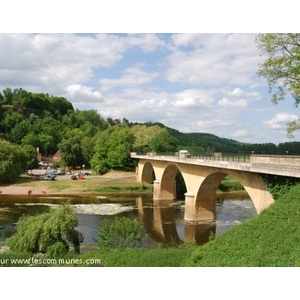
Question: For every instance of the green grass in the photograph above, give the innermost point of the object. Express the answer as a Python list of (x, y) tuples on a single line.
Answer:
[(271, 239), (124, 188), (230, 184)]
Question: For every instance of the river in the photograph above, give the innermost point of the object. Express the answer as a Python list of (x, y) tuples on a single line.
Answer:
[(163, 221)]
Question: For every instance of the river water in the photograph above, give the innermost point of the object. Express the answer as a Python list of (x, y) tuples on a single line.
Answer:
[(163, 221)]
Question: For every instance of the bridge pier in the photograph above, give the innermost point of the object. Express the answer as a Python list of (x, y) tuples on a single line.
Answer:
[(202, 179), (199, 211), (168, 193)]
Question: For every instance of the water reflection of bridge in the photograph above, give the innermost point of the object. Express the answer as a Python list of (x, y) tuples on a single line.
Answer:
[(159, 221)]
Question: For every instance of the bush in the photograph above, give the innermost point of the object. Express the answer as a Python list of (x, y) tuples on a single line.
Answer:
[(48, 233), (122, 233)]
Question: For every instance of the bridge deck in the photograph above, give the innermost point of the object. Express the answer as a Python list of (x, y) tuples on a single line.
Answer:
[(288, 166)]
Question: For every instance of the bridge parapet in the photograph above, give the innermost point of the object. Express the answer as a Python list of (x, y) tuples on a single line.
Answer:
[(281, 165)]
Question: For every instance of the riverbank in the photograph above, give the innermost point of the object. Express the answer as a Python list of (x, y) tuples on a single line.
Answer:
[(65, 185), (270, 239)]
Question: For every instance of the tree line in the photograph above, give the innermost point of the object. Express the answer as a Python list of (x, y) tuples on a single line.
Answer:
[(38, 120)]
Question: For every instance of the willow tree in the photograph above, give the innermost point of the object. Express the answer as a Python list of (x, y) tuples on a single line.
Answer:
[(281, 67), (11, 162)]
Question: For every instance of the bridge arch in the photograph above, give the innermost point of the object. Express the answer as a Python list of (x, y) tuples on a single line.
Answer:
[(147, 173), (201, 184)]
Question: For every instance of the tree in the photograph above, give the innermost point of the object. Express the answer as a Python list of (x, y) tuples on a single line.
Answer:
[(71, 152), (163, 142), (11, 165), (49, 233), (119, 147), (112, 150), (282, 67), (122, 233), (29, 157)]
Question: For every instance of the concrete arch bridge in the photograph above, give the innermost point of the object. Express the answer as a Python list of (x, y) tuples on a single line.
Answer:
[(202, 177)]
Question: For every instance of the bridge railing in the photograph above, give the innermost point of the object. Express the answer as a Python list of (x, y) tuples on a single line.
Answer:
[(218, 156)]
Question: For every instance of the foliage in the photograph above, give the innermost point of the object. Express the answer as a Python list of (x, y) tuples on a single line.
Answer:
[(29, 159), (122, 188), (112, 150), (49, 233), (143, 135), (37, 120), (71, 152), (269, 240), (163, 142), (229, 183), (282, 66), (122, 233), (279, 185), (11, 165)]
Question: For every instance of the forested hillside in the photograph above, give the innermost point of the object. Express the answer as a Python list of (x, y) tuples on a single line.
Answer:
[(36, 120)]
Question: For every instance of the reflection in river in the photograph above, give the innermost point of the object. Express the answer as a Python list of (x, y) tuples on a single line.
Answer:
[(163, 221)]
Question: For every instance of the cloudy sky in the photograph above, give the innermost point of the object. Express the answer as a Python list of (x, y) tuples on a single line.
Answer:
[(192, 82)]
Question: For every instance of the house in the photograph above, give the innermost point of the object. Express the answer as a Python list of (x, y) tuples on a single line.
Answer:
[(46, 161)]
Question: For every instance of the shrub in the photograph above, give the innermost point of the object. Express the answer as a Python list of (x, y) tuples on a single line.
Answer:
[(48, 233), (122, 233)]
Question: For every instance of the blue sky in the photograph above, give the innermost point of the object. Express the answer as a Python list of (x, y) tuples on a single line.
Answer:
[(193, 82)]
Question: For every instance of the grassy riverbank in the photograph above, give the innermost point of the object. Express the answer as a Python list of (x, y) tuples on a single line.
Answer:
[(110, 182), (271, 239)]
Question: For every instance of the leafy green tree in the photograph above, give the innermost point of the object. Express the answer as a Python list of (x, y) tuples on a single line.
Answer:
[(281, 67), (71, 152), (60, 105), (119, 147), (99, 159), (20, 130), (10, 162), (163, 142), (143, 135), (31, 139), (112, 150), (87, 145), (29, 157), (51, 233), (122, 233), (8, 96)]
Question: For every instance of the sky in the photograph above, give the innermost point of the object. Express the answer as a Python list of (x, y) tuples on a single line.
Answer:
[(202, 81)]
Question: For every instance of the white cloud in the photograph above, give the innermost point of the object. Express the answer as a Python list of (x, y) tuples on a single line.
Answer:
[(238, 92), (84, 94), (226, 103), (241, 133), (280, 121), (148, 42), (214, 59), (56, 61), (190, 82), (133, 76)]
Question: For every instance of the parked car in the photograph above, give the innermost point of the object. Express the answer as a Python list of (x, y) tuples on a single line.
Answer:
[(77, 173), (86, 174), (49, 177), (82, 173)]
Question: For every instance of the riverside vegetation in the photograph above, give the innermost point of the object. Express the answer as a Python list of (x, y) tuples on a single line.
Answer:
[(271, 239)]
